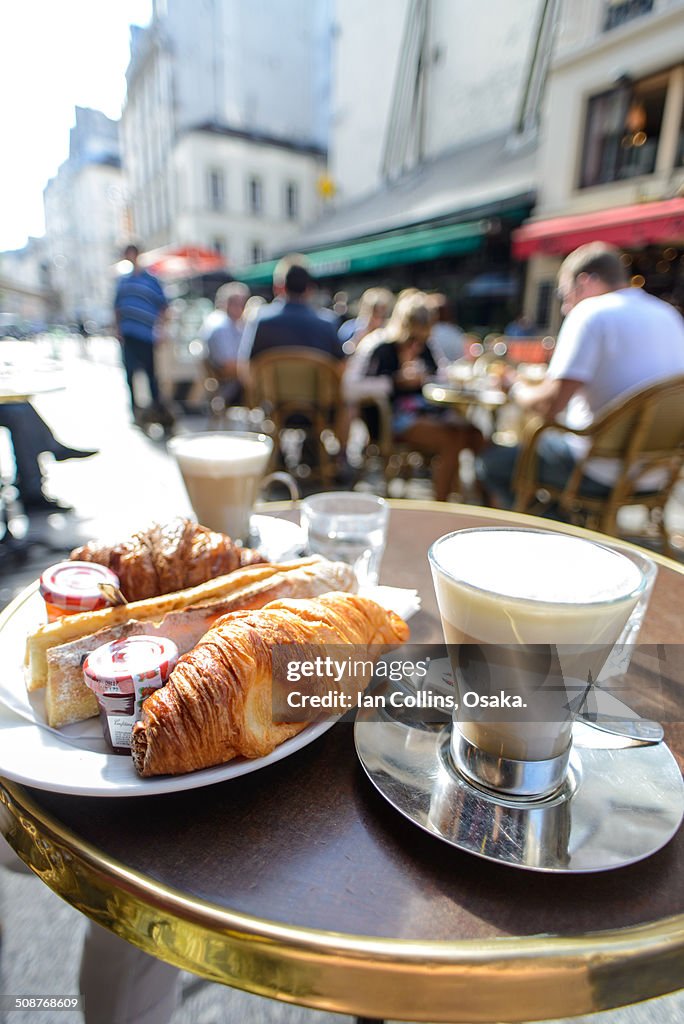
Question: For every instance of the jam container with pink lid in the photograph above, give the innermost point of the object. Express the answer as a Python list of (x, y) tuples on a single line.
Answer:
[(122, 674), (71, 587)]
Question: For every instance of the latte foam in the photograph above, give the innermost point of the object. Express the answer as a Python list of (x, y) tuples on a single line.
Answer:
[(219, 456)]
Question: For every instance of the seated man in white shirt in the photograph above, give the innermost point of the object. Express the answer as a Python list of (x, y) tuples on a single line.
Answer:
[(615, 339), (221, 333)]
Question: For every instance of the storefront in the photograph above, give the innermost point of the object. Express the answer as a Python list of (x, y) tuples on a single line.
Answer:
[(651, 235), (446, 227)]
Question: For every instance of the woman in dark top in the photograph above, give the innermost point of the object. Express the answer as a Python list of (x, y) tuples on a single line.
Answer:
[(406, 359)]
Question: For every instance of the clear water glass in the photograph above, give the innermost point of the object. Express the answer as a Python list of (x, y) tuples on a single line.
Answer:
[(348, 527)]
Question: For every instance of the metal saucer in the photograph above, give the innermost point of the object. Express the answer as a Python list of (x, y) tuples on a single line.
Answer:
[(617, 805)]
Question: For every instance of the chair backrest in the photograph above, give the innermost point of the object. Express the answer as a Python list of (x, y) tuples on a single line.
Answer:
[(644, 430), (295, 379), (646, 425)]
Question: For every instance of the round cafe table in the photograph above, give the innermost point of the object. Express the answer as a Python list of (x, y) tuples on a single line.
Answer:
[(301, 883), (452, 396)]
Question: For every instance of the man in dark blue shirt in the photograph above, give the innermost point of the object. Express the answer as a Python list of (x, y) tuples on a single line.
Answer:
[(138, 306), (291, 323)]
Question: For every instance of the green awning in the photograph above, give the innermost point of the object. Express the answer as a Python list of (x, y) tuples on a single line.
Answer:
[(373, 253)]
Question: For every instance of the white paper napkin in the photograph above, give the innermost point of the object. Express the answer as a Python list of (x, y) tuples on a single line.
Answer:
[(401, 601)]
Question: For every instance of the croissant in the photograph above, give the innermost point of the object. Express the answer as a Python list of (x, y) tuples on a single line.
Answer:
[(166, 558), (217, 704)]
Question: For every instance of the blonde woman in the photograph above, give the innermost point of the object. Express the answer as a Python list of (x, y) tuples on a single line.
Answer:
[(405, 360)]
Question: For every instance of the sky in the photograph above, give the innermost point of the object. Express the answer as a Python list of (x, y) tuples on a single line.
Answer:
[(56, 55)]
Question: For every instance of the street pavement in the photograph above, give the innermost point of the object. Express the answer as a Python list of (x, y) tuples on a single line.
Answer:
[(131, 482)]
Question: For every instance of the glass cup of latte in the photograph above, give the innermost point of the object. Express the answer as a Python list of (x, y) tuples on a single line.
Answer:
[(223, 473), (529, 617)]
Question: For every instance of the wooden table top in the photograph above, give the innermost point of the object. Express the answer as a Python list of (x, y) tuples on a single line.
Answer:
[(300, 882)]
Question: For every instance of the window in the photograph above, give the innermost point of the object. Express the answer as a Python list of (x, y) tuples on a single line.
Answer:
[(622, 131), (291, 201), (620, 11), (257, 252), (255, 195), (545, 293), (216, 188)]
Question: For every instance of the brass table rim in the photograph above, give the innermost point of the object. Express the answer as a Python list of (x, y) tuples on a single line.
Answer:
[(669, 931)]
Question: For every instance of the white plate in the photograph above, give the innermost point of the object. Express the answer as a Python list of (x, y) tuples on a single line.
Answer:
[(38, 757), (76, 759)]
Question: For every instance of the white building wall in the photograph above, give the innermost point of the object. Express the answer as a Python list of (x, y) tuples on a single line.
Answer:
[(60, 236), (197, 153), (478, 56), (252, 66), (258, 68), (588, 62), (24, 285), (366, 43), (84, 216), (148, 131)]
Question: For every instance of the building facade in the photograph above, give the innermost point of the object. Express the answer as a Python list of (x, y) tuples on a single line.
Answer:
[(225, 124), (611, 158), (27, 301), (445, 76), (85, 220), (431, 161)]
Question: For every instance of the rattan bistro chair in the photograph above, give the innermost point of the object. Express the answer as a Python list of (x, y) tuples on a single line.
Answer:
[(643, 430), (299, 387)]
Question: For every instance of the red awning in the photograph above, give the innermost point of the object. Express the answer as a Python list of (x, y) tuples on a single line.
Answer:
[(173, 262), (628, 227)]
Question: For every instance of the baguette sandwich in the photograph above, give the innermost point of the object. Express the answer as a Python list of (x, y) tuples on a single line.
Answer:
[(61, 646)]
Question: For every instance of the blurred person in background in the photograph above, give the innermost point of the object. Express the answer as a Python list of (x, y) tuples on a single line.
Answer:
[(614, 339), (404, 359), (221, 333), (520, 327), (375, 307), (290, 321), (31, 437), (139, 309), (356, 383), (446, 336), (253, 307)]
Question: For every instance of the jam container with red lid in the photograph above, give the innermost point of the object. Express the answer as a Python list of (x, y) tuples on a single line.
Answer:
[(122, 674), (71, 587)]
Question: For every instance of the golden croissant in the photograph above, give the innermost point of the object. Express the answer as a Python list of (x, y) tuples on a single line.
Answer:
[(217, 704), (166, 558)]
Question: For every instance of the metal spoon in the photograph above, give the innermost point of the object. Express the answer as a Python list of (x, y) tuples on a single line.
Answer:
[(639, 731)]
